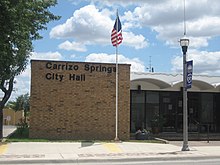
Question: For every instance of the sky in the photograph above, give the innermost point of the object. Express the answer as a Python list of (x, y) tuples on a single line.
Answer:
[(151, 31)]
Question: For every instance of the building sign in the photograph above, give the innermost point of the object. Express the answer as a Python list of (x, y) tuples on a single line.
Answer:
[(189, 74), (74, 69)]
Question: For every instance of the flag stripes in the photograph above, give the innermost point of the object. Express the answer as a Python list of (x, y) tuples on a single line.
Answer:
[(116, 35)]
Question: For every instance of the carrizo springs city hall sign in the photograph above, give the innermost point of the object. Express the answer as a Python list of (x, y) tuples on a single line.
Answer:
[(76, 100), (89, 68)]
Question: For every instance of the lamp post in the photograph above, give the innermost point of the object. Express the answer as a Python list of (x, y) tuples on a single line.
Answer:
[(184, 43)]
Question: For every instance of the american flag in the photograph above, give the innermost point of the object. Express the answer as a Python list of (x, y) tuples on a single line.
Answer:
[(116, 36)]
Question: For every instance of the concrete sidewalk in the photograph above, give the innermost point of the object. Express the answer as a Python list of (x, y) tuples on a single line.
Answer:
[(8, 130), (67, 152)]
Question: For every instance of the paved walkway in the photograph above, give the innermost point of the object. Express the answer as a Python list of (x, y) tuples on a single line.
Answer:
[(88, 151), (69, 152), (8, 129)]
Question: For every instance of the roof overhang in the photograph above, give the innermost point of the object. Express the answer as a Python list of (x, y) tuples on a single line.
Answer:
[(202, 85), (159, 83)]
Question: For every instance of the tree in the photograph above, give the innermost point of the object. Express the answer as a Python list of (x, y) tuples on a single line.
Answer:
[(21, 103), (21, 21)]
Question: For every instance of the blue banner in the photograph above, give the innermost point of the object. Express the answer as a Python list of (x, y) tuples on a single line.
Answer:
[(189, 66)]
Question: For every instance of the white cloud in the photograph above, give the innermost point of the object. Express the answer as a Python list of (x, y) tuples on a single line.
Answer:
[(138, 41), (203, 62), (22, 83), (136, 64), (67, 45), (163, 16), (86, 24), (205, 26), (89, 25), (166, 18), (46, 56), (196, 42), (22, 86)]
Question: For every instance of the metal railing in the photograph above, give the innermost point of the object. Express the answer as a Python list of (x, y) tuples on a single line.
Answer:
[(200, 126)]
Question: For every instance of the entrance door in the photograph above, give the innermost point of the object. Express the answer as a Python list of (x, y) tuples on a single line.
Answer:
[(193, 114), (137, 110), (144, 104), (168, 110), (179, 114)]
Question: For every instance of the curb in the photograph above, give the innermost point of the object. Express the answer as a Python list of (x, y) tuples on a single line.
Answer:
[(113, 160)]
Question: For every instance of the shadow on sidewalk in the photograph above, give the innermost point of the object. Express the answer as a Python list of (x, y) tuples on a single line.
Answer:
[(87, 143)]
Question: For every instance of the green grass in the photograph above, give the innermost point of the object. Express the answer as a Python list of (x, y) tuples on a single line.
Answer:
[(22, 135), (25, 140)]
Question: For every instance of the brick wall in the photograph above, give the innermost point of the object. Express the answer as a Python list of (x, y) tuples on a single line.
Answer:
[(74, 100)]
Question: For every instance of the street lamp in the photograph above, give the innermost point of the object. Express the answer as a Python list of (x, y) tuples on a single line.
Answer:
[(184, 43)]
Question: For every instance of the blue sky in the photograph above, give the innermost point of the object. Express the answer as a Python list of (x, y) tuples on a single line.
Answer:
[(151, 31)]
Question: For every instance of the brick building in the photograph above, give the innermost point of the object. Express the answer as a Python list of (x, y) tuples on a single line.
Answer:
[(76, 100)]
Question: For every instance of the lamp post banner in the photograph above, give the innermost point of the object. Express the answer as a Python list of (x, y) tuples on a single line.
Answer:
[(189, 65)]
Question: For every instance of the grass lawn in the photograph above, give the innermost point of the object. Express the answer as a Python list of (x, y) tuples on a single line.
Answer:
[(22, 135)]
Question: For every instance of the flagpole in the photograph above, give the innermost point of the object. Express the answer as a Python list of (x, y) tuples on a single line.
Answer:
[(116, 94)]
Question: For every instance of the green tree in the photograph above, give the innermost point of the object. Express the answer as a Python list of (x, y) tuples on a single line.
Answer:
[(20, 23), (21, 103)]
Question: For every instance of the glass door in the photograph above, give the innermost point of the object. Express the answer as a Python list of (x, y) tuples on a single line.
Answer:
[(168, 110), (144, 104), (137, 110), (193, 111)]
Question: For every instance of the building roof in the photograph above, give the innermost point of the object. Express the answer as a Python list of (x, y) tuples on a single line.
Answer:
[(165, 81)]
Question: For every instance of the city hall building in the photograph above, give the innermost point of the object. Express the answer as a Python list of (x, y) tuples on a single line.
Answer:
[(77, 100)]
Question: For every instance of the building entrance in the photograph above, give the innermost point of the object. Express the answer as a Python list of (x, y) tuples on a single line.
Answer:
[(193, 111), (144, 107)]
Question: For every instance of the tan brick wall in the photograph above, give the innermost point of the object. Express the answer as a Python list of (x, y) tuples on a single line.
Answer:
[(69, 109)]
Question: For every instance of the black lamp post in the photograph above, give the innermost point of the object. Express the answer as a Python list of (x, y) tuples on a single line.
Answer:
[(184, 43)]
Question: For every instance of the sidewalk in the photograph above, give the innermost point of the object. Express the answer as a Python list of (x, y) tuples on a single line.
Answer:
[(8, 130), (67, 152)]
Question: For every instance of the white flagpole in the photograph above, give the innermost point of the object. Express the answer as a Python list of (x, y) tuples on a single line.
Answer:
[(116, 104)]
